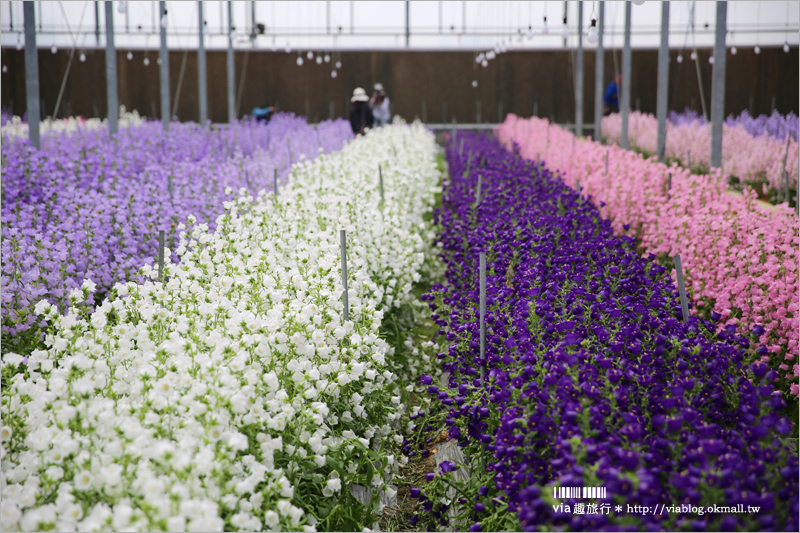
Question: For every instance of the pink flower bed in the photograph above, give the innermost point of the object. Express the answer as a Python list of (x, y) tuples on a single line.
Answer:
[(754, 160), (740, 259)]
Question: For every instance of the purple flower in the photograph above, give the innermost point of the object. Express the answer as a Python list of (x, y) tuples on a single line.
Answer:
[(584, 345), (447, 466)]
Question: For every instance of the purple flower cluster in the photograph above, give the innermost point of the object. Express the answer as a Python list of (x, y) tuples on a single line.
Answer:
[(774, 125), (90, 206), (591, 377)]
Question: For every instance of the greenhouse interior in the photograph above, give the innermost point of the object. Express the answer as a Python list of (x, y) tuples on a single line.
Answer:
[(400, 266)]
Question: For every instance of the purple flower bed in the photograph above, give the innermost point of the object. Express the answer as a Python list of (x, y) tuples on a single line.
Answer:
[(86, 206), (774, 125), (592, 377)]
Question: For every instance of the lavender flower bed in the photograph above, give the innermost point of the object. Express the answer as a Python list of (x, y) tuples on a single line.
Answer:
[(774, 125), (86, 206), (592, 378)]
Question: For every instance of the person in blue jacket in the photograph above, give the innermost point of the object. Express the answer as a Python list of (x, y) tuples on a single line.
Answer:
[(611, 97), (264, 114)]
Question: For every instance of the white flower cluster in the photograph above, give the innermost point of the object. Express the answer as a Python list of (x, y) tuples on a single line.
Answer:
[(15, 126), (232, 396)]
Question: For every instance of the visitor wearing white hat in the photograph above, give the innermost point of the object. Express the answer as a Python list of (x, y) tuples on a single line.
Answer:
[(359, 95), (380, 106), (360, 114)]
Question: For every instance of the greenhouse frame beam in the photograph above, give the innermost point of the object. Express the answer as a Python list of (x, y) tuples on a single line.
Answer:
[(663, 83), (31, 73), (394, 33), (718, 86), (112, 95)]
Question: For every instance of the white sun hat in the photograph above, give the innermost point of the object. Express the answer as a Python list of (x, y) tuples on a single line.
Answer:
[(359, 95), (378, 87)]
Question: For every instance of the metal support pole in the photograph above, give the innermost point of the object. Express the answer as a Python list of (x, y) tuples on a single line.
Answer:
[(31, 73), (202, 79), (408, 23), (231, 66), (579, 75), (598, 74), (253, 30), (625, 105), (681, 288), (663, 83), (111, 71), (718, 85), (164, 71), (97, 23)]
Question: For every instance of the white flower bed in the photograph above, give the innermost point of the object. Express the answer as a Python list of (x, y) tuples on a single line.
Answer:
[(16, 127), (233, 396)]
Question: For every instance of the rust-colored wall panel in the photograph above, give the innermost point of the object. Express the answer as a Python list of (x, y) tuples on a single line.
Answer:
[(518, 80)]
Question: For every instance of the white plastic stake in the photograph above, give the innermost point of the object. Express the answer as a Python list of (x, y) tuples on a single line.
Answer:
[(478, 190), (578, 189), (275, 182), (689, 160), (786, 152), (786, 187), (682, 288), (607, 162), (669, 184), (346, 313), (380, 179), (482, 310), (161, 255)]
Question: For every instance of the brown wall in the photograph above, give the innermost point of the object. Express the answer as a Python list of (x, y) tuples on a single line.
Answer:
[(518, 80)]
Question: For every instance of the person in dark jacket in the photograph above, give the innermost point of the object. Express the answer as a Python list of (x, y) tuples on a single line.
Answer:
[(360, 114)]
